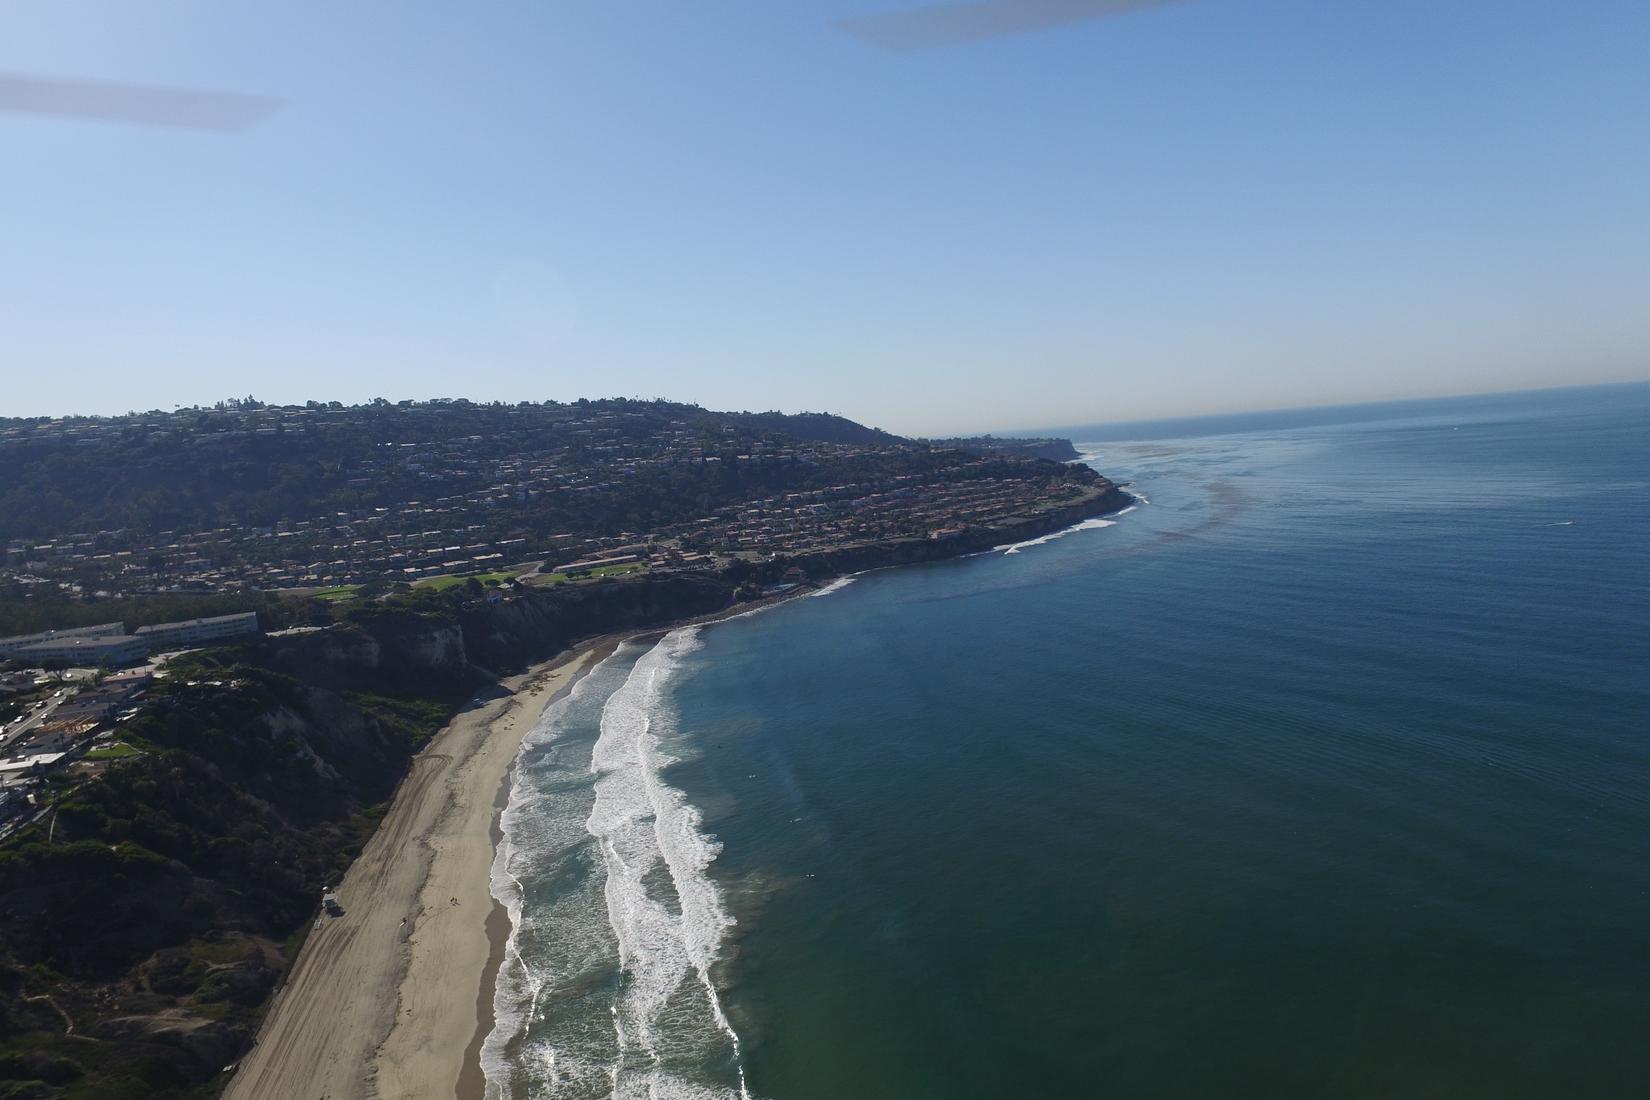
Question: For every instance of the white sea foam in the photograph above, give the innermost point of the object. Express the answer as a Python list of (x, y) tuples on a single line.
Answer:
[(668, 1015), (835, 586), (1086, 525), (529, 835)]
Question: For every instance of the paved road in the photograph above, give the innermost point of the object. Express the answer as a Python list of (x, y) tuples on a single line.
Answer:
[(15, 732)]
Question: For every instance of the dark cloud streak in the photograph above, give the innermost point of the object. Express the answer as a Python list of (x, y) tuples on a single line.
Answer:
[(955, 24), (138, 104)]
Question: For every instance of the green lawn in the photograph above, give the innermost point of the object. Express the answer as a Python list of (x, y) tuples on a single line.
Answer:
[(115, 751), (441, 583), (338, 593), (548, 579)]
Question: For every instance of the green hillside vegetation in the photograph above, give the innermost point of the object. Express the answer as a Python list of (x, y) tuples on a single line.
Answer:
[(485, 579), (164, 907), (244, 464), (818, 428), (590, 574), (117, 751), (247, 496)]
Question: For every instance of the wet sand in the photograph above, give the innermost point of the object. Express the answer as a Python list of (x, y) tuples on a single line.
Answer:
[(393, 999), (384, 1001)]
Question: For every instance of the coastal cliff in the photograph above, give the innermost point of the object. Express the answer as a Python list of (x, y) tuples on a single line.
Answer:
[(260, 771), (1104, 499), (254, 776), (537, 624)]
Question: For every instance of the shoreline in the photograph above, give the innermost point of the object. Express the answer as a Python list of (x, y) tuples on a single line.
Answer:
[(336, 1027), (371, 1008), (436, 1026), (472, 1080), (376, 1004)]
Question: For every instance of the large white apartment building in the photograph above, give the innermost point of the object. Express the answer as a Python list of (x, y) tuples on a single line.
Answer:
[(9, 646), (118, 649), (194, 632)]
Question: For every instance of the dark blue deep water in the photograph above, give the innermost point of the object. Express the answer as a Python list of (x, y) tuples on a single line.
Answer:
[(1324, 773)]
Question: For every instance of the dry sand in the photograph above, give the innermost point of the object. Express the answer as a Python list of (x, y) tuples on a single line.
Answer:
[(391, 999)]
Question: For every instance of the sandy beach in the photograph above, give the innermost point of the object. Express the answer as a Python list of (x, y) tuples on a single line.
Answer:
[(390, 998)]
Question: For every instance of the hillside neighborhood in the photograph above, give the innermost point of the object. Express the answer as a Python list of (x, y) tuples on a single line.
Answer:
[(325, 495)]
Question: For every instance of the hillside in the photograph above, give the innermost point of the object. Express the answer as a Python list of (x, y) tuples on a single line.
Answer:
[(1054, 449), (247, 463), (248, 496), (144, 924), (819, 428)]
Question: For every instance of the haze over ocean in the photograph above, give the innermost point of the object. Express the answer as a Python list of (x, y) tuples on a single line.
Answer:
[(1323, 771)]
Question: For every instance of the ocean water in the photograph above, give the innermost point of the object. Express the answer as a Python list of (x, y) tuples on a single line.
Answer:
[(1324, 771)]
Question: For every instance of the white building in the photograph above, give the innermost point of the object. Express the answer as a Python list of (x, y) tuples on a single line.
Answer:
[(119, 649), (22, 766), (194, 632), (9, 646)]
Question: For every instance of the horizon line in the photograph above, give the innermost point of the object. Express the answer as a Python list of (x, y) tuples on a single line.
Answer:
[(1044, 430)]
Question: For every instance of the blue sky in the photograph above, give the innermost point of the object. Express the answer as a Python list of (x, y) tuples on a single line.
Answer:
[(1211, 206)]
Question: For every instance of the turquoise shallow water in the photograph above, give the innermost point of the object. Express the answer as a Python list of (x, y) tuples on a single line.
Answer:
[(1325, 772)]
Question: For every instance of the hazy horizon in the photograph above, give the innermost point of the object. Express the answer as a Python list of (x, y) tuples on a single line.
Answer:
[(1072, 430), (1202, 208)]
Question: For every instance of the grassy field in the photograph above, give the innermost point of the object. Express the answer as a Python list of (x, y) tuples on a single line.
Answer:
[(441, 583), (113, 752), (343, 593), (548, 579), (338, 593)]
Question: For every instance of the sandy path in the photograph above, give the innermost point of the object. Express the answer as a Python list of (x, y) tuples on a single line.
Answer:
[(383, 1000)]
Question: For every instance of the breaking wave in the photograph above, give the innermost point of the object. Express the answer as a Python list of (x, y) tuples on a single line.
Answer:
[(605, 988), (836, 585), (1086, 525), (559, 942), (666, 914)]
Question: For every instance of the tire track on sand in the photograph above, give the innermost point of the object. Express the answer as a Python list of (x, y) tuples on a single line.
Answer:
[(339, 1000)]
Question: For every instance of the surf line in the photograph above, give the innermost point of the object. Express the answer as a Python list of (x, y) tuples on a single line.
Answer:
[(515, 975), (639, 822)]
